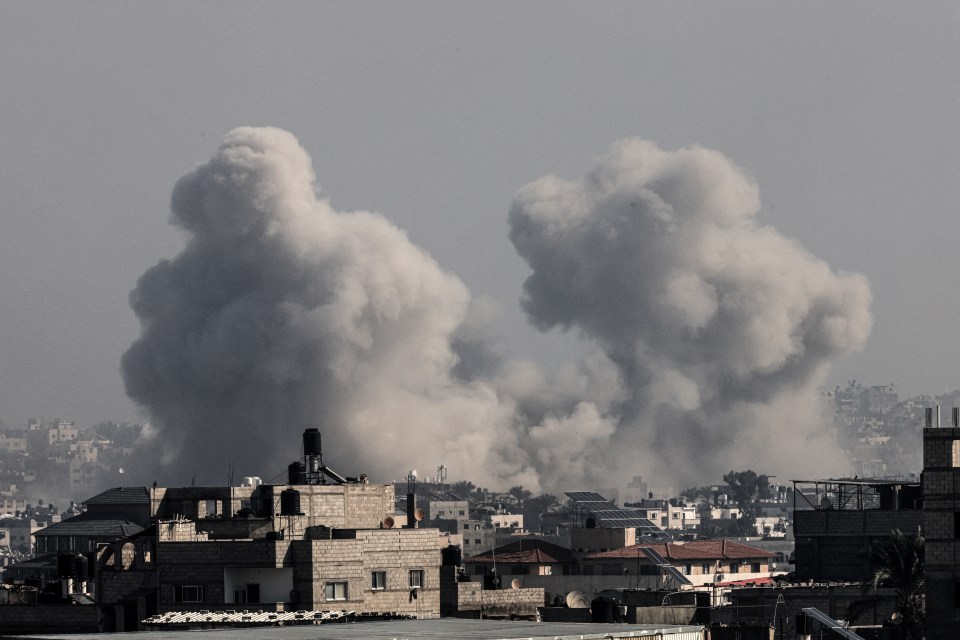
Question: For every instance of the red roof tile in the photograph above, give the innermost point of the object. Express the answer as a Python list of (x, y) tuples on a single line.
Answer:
[(696, 550)]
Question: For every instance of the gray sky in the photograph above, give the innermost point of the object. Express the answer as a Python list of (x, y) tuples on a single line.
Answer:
[(435, 114)]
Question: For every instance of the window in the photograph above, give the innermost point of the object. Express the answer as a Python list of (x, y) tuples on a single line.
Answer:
[(336, 591), (688, 569), (734, 567), (466, 527), (416, 578), (705, 568), (463, 514), (755, 567), (378, 580), (188, 593)]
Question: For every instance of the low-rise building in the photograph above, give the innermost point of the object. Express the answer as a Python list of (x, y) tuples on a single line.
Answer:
[(700, 561)]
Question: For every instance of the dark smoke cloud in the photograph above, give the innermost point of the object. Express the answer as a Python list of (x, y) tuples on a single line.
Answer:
[(281, 313), (720, 327)]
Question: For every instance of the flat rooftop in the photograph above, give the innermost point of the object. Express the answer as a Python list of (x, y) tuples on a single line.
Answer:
[(403, 629)]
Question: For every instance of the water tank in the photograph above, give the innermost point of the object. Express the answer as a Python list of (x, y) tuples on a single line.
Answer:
[(290, 502), (67, 565), (450, 556), (591, 523), (296, 474), (602, 610), (311, 442), (492, 581), (82, 568)]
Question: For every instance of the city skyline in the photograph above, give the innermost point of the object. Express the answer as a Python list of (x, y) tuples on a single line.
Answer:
[(436, 117)]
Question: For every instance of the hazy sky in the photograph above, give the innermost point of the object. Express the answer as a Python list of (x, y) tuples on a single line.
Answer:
[(435, 114)]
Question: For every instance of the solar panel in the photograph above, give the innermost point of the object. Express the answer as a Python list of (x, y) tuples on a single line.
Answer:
[(675, 574), (654, 556), (830, 623), (586, 496), (607, 515), (665, 567)]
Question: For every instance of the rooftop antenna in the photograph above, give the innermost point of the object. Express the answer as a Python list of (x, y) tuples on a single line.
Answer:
[(441, 473)]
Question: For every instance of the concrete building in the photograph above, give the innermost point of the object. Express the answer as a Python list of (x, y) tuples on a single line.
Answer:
[(941, 524), (702, 562), (836, 523)]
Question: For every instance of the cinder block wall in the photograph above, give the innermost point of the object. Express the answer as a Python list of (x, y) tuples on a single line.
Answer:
[(941, 503)]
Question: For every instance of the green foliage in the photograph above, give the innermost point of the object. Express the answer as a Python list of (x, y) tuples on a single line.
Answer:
[(747, 487), (899, 562), (463, 489), (520, 494)]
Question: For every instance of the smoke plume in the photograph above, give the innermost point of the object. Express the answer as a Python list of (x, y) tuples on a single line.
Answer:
[(720, 327), (711, 331)]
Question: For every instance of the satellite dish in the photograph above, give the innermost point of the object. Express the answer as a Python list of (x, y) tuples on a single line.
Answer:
[(515, 583), (387, 522), (120, 470), (418, 514), (576, 600)]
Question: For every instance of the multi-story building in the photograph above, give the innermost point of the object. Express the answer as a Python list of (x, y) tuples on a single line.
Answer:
[(837, 522), (941, 524)]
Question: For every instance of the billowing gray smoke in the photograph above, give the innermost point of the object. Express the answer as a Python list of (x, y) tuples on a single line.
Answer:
[(720, 327), (282, 313)]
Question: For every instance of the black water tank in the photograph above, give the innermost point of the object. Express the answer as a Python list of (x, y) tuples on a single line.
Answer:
[(290, 502), (82, 574), (602, 610), (492, 581), (311, 442), (296, 473), (450, 556), (67, 565), (591, 523)]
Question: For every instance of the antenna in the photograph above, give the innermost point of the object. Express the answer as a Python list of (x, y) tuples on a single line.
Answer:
[(441, 473)]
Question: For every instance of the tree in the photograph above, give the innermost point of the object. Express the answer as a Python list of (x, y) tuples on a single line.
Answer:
[(534, 507), (746, 486), (899, 563), (520, 494), (463, 489)]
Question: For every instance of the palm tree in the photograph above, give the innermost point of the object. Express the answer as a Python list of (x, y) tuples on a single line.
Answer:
[(520, 494), (462, 489), (899, 566)]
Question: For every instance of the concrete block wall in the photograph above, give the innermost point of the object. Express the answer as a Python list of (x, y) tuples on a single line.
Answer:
[(941, 494), (349, 506), (19, 619), (394, 551), (834, 600), (499, 603)]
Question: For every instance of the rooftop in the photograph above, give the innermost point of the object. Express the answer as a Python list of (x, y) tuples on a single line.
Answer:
[(695, 550), (392, 629), (120, 495), (533, 551), (92, 526)]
